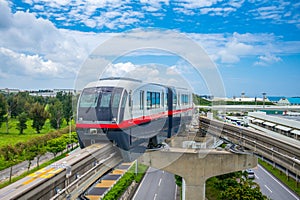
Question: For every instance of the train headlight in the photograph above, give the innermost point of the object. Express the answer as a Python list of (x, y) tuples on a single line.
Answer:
[(93, 131), (114, 120)]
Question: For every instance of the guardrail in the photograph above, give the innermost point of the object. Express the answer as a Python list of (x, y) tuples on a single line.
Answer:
[(78, 186)]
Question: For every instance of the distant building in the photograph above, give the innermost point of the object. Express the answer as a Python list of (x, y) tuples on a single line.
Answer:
[(275, 99), (9, 90), (207, 97), (43, 93), (72, 91), (283, 102), (240, 99), (294, 101)]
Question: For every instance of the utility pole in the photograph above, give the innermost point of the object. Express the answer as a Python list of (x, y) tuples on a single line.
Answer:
[(264, 97)]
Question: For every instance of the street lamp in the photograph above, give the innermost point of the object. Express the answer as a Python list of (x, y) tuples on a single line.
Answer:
[(264, 97), (70, 130)]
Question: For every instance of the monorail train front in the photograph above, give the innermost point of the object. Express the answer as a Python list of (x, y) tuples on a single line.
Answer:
[(100, 110)]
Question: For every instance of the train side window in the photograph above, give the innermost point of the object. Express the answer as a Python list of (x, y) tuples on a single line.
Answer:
[(184, 99), (124, 100), (163, 99), (149, 100), (141, 100), (174, 100), (153, 99), (157, 99), (130, 99)]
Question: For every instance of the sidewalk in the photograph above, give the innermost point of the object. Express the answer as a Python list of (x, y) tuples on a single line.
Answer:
[(22, 167)]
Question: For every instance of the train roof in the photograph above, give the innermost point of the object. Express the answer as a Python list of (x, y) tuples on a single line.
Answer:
[(127, 83)]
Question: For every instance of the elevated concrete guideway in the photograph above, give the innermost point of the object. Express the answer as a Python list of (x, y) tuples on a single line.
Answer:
[(196, 166), (283, 152)]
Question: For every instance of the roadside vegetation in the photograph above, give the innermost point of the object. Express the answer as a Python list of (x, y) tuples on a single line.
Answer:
[(121, 186), (230, 186), (45, 164), (53, 142), (31, 125)]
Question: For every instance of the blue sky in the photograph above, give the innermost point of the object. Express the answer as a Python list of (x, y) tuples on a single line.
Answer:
[(254, 44)]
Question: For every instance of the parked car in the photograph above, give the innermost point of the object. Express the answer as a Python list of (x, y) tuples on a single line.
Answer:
[(250, 174)]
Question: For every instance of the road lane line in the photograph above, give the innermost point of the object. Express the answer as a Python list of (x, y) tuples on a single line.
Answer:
[(256, 176), (268, 188), (284, 187), (137, 191), (159, 182), (175, 191), (155, 196)]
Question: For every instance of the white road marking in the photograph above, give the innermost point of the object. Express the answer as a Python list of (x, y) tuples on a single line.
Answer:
[(256, 176), (159, 182), (175, 191), (268, 188), (278, 182), (137, 191), (155, 196)]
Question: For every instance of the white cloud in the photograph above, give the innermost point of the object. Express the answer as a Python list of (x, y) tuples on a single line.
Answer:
[(5, 15), (172, 70), (231, 48), (193, 4), (34, 47), (119, 69), (267, 59), (30, 65), (211, 7)]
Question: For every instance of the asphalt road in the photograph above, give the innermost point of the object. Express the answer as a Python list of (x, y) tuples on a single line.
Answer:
[(156, 185), (22, 167), (271, 187)]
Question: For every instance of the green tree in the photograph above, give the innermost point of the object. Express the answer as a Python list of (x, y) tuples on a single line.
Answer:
[(67, 107), (56, 114), (40, 150), (21, 125), (71, 138), (10, 154), (20, 103), (39, 116), (39, 147), (56, 145), (3, 109), (178, 180), (245, 189), (30, 153)]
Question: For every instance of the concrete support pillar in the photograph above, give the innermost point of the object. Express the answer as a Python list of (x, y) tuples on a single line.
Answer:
[(194, 190), (195, 167)]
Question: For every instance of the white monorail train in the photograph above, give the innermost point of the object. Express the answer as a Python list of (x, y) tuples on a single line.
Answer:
[(132, 114)]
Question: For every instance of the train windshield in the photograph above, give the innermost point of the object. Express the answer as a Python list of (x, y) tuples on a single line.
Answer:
[(100, 104), (89, 98)]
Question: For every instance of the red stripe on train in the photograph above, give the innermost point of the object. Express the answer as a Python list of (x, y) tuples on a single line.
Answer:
[(133, 122)]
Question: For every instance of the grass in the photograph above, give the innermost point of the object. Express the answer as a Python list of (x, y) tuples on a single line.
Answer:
[(14, 137), (45, 164), (290, 183)]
